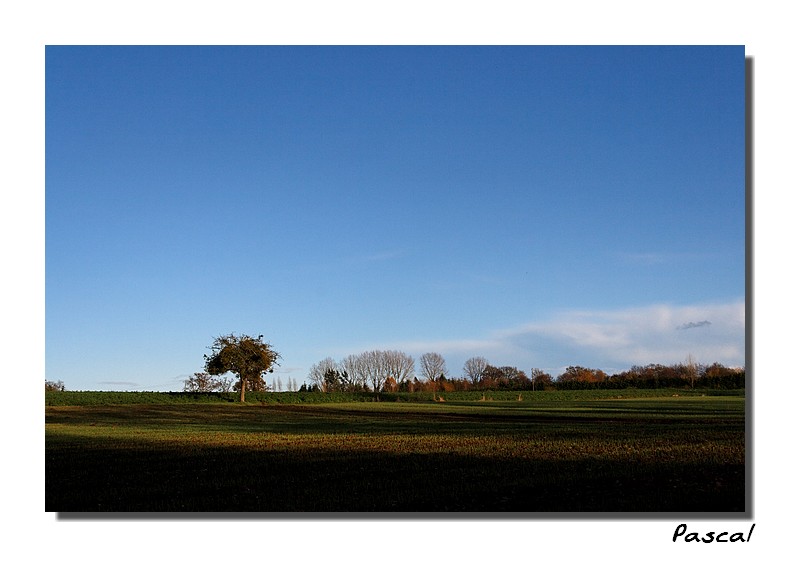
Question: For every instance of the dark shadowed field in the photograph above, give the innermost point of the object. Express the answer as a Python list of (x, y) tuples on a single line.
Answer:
[(668, 454)]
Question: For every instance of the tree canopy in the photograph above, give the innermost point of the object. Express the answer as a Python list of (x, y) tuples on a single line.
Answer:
[(247, 357)]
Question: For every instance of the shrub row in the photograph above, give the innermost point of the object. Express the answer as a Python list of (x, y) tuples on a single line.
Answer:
[(88, 398)]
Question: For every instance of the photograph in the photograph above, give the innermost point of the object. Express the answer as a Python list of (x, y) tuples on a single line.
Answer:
[(398, 281)]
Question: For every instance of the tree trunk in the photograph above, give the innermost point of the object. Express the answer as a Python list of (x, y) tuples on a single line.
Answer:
[(243, 384)]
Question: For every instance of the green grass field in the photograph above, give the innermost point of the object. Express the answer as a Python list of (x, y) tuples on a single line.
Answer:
[(541, 454)]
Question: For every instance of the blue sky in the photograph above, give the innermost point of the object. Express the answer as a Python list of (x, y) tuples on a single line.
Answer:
[(538, 206)]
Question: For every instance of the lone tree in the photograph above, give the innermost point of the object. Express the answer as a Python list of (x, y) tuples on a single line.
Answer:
[(243, 355)]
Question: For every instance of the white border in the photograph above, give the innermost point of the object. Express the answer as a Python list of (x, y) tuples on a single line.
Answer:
[(765, 28)]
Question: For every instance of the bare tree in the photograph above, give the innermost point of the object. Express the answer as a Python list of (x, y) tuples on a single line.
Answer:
[(225, 384), (374, 367), (431, 366), (474, 368), (398, 365), (354, 371), (371, 368), (53, 386), (318, 371), (691, 369), (205, 382)]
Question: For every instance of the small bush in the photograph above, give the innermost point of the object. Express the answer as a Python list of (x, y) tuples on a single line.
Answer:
[(50, 386)]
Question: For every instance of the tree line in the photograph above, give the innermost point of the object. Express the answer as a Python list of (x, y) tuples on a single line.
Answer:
[(395, 371)]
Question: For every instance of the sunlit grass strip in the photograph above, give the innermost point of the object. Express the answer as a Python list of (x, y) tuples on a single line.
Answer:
[(486, 446), (696, 448), (95, 398)]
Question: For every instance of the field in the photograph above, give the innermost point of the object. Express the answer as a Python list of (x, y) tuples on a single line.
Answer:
[(556, 453)]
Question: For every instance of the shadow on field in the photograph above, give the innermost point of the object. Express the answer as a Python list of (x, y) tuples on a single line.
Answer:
[(143, 477), (320, 459)]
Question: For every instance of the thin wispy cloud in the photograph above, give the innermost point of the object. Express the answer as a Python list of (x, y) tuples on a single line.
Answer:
[(693, 325), (119, 384), (455, 347)]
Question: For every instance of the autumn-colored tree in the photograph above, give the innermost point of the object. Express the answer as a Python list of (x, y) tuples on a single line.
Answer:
[(445, 385), (514, 378), (491, 378), (578, 375), (247, 357), (718, 376), (390, 385), (540, 379)]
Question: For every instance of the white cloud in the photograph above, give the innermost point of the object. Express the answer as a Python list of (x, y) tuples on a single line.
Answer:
[(607, 339), (288, 369), (642, 335)]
